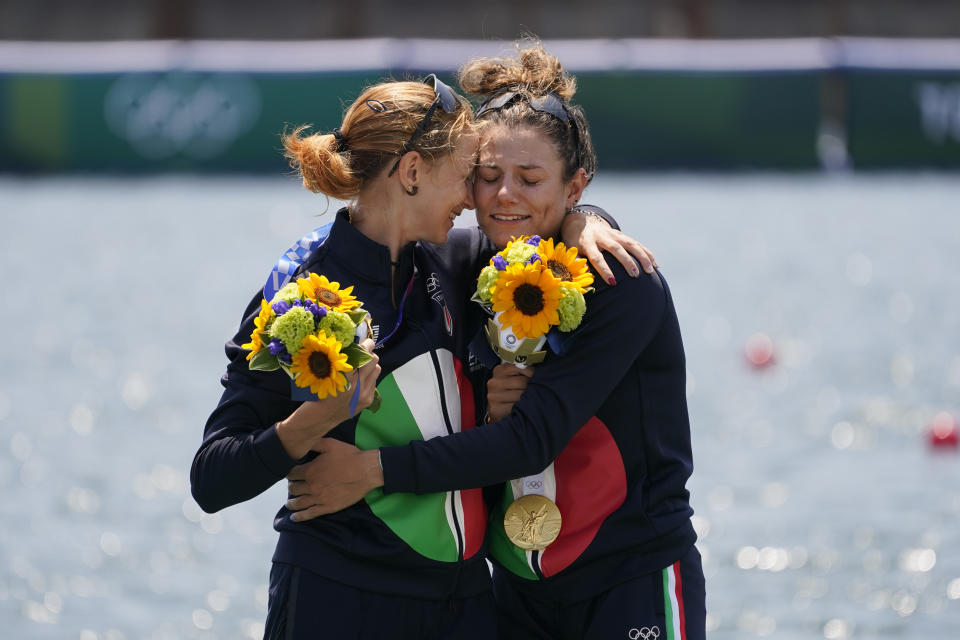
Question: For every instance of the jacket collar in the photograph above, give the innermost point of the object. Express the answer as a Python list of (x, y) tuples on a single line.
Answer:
[(362, 256)]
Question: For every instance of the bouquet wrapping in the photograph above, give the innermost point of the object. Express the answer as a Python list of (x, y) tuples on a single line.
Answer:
[(311, 329)]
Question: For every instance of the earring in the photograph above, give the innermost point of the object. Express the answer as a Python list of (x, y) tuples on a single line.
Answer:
[(412, 190)]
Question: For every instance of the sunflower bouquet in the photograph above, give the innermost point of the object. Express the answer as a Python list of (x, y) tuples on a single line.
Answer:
[(311, 329), (530, 287)]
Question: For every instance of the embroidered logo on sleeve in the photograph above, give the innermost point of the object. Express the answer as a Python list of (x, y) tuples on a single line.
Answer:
[(436, 293)]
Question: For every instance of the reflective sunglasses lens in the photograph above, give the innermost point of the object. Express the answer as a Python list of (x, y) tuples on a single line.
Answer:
[(550, 104), (496, 103), (448, 100)]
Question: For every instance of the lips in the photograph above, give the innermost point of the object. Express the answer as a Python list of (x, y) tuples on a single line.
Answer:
[(508, 217)]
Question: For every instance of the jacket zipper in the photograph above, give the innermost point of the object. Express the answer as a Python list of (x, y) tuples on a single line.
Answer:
[(447, 423)]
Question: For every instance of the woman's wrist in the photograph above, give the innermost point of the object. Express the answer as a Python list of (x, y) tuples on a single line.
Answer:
[(294, 441), (298, 436), (373, 468), (588, 213)]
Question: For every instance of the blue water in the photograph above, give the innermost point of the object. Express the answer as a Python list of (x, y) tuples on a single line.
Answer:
[(821, 509)]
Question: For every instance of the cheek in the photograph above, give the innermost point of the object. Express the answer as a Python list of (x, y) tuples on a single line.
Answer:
[(484, 195), (482, 214), (552, 211)]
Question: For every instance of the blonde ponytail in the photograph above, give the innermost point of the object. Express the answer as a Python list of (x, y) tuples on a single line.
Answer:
[(323, 168)]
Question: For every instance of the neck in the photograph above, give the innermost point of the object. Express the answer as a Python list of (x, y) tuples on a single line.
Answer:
[(379, 217)]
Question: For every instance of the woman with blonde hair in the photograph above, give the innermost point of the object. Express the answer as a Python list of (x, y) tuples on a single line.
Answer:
[(391, 566), (599, 439)]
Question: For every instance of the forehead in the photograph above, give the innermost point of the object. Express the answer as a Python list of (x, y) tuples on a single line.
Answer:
[(520, 146), (466, 148), (462, 158)]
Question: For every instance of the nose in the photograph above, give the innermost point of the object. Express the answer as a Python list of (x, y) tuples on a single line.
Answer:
[(504, 193)]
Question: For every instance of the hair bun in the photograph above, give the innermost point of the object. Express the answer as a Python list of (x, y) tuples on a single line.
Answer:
[(534, 71)]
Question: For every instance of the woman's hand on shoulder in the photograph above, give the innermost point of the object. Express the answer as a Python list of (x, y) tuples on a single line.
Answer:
[(592, 234)]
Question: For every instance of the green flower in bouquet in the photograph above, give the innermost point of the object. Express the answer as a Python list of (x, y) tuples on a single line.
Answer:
[(288, 293), (571, 309), (519, 250), (339, 325), (292, 327), (486, 282)]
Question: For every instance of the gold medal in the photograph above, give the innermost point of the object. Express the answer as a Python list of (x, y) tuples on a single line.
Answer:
[(532, 522)]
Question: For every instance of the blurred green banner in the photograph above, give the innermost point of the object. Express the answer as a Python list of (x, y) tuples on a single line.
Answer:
[(210, 106)]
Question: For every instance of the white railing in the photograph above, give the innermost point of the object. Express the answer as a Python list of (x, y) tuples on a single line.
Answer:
[(797, 54)]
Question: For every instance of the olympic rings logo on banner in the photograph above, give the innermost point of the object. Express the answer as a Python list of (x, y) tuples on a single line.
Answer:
[(939, 105), (195, 114), (534, 484)]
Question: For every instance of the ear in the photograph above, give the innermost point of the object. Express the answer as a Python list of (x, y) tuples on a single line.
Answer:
[(410, 170), (574, 188)]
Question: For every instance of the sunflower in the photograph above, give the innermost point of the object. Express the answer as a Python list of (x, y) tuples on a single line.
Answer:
[(319, 364), (327, 293), (565, 264), (259, 327), (528, 296)]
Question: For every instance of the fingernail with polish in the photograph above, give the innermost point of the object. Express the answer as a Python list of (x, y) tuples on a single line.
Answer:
[(612, 280), (293, 517), (635, 272)]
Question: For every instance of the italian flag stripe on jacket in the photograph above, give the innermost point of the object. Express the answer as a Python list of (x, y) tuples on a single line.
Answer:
[(587, 481), (418, 409)]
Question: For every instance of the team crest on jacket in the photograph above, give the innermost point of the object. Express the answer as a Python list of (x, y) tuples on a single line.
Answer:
[(436, 293)]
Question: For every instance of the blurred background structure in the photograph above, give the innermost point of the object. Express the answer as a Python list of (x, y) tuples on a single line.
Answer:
[(492, 19), (740, 139), (702, 84)]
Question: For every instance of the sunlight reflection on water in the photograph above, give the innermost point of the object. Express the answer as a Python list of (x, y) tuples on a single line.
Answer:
[(821, 510)]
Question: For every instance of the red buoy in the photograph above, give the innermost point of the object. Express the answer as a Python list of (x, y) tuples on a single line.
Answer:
[(759, 350), (944, 430)]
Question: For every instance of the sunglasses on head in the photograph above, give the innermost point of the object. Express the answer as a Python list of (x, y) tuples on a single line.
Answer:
[(445, 98), (550, 104)]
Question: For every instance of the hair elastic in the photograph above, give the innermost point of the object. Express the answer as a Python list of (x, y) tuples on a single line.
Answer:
[(341, 141)]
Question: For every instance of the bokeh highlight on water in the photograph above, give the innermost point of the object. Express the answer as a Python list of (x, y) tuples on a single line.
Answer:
[(821, 510)]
